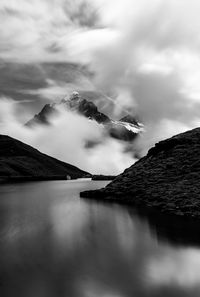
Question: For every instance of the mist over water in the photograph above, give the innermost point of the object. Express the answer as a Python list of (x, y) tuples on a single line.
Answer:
[(54, 244)]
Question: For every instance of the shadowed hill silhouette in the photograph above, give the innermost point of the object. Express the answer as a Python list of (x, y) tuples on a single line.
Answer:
[(167, 178), (21, 161)]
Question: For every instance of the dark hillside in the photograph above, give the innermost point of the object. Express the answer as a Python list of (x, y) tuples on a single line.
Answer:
[(167, 179), (18, 159)]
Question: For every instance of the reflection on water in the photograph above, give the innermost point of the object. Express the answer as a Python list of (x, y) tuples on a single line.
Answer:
[(54, 244)]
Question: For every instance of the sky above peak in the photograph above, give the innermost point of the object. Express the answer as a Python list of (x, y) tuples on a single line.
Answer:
[(142, 54), (125, 45)]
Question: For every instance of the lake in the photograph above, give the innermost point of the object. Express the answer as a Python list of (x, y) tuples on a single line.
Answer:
[(54, 244)]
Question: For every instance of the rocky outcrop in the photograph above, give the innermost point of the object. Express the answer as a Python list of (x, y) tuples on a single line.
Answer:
[(43, 117), (85, 108), (166, 179), (129, 119), (21, 161)]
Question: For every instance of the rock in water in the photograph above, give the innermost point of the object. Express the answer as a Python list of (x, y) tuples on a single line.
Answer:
[(167, 178)]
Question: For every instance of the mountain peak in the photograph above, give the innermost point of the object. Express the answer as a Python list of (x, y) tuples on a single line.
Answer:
[(75, 95), (125, 129)]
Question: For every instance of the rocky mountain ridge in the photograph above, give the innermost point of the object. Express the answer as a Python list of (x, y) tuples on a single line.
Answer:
[(125, 129)]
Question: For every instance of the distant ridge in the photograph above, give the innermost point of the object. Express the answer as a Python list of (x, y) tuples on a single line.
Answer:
[(19, 160)]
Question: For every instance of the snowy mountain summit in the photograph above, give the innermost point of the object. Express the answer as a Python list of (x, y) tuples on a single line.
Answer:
[(125, 129)]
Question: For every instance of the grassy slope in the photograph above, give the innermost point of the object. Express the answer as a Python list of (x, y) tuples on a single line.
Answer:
[(167, 179), (19, 159)]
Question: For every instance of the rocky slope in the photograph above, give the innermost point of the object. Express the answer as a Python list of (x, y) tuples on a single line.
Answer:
[(166, 179), (125, 129), (19, 160)]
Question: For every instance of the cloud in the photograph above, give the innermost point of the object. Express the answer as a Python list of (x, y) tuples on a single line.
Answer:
[(65, 139), (58, 90), (154, 58), (42, 30), (145, 55)]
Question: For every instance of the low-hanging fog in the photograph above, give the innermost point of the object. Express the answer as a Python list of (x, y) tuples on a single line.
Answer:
[(144, 56), (66, 139)]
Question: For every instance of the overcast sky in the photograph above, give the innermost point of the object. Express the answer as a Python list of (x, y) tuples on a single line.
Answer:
[(128, 44), (142, 53)]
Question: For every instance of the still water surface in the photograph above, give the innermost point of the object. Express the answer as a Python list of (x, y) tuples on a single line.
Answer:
[(53, 244)]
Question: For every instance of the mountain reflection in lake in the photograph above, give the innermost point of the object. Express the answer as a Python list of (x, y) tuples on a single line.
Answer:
[(53, 244)]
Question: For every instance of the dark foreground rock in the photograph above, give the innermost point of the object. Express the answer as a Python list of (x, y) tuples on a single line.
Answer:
[(21, 162), (167, 179)]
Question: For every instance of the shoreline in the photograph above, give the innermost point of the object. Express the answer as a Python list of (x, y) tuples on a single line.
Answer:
[(99, 195), (21, 179), (166, 179)]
